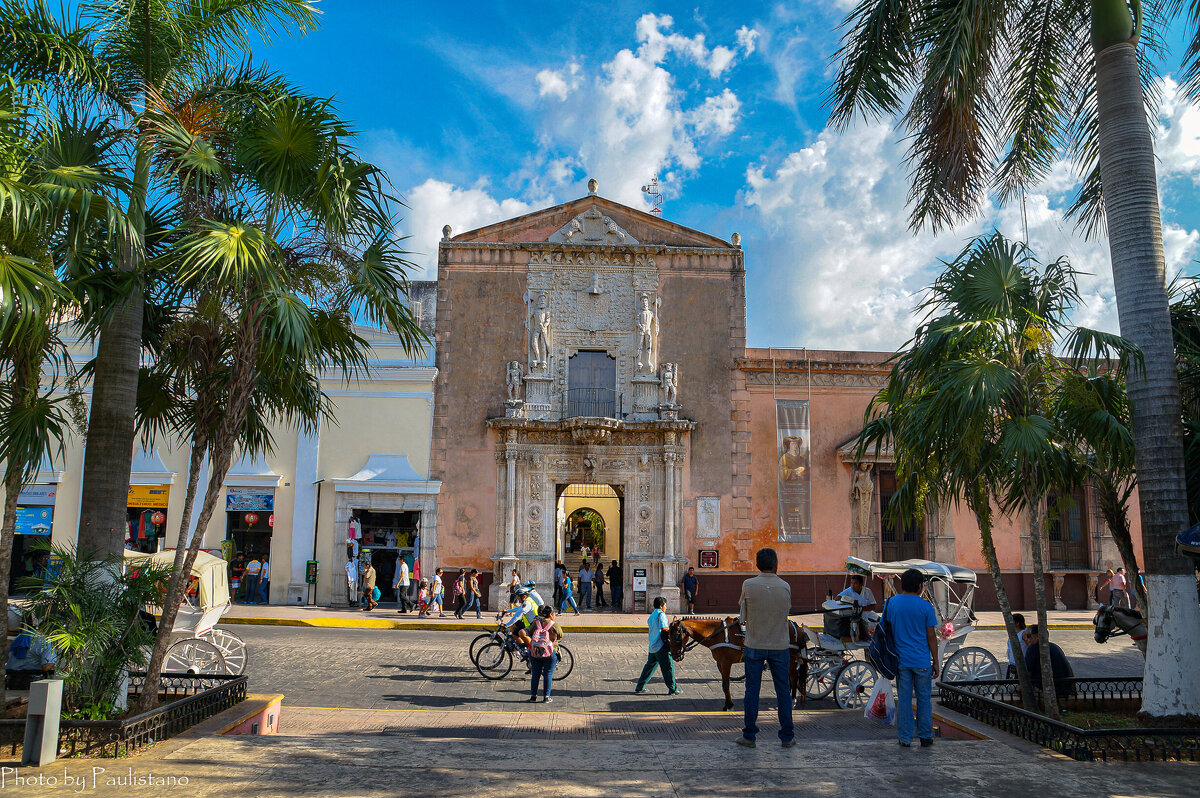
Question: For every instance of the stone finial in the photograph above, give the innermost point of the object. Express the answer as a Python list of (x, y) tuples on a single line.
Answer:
[(446, 231), (593, 185), (736, 239)]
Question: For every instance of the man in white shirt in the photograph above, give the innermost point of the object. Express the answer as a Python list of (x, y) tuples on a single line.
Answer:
[(250, 581), (401, 585), (858, 593)]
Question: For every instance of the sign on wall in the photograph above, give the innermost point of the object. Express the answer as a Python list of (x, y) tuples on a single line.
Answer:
[(239, 500), (794, 472), (148, 496), (708, 516), (37, 495), (639, 580), (708, 558), (34, 520)]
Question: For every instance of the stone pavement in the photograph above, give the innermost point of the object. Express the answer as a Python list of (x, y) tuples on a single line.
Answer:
[(596, 621), (380, 669)]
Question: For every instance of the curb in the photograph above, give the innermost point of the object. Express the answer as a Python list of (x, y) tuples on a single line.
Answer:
[(460, 626)]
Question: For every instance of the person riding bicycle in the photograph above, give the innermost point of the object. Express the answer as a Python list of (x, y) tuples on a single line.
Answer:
[(523, 613)]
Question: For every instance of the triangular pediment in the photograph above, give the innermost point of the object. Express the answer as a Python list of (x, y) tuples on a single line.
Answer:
[(591, 220)]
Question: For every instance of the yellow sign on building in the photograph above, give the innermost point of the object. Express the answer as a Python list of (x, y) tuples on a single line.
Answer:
[(148, 496)]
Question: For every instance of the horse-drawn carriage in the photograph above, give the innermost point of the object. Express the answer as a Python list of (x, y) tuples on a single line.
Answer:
[(834, 665), (197, 645)]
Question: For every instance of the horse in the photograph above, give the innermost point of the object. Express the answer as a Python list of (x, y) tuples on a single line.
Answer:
[(725, 640), (1111, 621)]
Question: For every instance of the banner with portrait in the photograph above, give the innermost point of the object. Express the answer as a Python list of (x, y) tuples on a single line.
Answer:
[(794, 469)]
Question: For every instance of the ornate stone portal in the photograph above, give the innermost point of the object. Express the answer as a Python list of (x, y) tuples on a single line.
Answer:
[(599, 297)]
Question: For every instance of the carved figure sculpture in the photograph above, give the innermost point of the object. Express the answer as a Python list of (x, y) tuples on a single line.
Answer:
[(575, 228), (613, 233), (647, 329), (513, 379), (670, 382), (538, 324), (862, 489)]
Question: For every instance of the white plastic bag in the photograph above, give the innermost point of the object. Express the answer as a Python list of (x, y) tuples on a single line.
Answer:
[(881, 707)]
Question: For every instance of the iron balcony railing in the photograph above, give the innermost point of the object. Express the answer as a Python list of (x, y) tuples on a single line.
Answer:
[(593, 402)]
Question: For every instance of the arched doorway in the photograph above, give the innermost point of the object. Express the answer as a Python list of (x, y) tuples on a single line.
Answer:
[(588, 515)]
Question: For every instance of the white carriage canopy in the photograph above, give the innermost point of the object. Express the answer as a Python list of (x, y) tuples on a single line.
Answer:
[(928, 569), (210, 572)]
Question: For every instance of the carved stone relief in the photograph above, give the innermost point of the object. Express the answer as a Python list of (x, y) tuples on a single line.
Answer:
[(592, 227), (708, 517)]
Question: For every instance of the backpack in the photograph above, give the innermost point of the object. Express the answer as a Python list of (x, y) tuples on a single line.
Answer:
[(882, 652), (540, 643)]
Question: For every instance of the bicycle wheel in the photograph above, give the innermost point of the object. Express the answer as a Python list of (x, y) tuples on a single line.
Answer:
[(478, 642), (566, 663), (494, 661)]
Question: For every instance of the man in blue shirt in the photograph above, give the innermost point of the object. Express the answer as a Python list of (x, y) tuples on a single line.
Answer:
[(690, 584), (660, 652), (913, 624)]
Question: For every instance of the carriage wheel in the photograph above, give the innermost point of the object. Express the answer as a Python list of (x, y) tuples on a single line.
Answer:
[(494, 661), (854, 685), (971, 664), (822, 674), (194, 655), (566, 663), (232, 649)]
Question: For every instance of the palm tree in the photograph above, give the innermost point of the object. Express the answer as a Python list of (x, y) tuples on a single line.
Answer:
[(57, 185), (285, 240), (115, 55), (992, 94), (972, 404)]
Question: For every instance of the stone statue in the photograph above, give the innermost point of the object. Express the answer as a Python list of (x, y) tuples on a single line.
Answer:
[(862, 489), (670, 382), (574, 228), (647, 330), (613, 233), (538, 324), (513, 379)]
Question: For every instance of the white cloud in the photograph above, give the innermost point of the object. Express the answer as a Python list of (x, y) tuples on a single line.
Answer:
[(435, 203), (657, 44), (718, 114), (843, 270), (747, 39), (558, 82)]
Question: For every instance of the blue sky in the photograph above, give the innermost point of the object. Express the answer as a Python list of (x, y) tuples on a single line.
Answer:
[(482, 111)]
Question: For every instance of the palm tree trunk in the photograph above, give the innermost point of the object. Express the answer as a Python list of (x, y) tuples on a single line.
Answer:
[(12, 491), (1131, 209), (1049, 693), (1117, 517), (108, 455), (983, 515)]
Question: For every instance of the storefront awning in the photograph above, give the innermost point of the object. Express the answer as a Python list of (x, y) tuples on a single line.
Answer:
[(148, 469), (387, 473), (252, 472)]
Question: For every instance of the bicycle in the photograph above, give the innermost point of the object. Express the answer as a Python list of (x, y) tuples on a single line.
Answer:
[(494, 660)]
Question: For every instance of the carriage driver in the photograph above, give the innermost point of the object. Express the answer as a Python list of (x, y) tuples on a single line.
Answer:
[(858, 593), (524, 612)]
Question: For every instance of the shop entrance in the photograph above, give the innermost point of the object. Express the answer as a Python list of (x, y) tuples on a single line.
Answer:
[(589, 516), (386, 537)]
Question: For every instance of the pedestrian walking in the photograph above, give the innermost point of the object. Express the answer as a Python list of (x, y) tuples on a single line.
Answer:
[(250, 580), (598, 584), (913, 624), (1118, 584), (595, 558), (616, 585), (460, 593), (659, 654), (438, 591), (765, 603), (585, 585), (474, 597), (690, 584), (423, 599), (264, 581), (544, 634), (514, 582), (352, 582), (368, 587), (559, 570), (567, 597), (237, 571), (401, 584)]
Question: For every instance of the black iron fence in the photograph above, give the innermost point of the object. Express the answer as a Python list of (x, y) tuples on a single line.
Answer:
[(593, 402), (190, 699), (994, 703)]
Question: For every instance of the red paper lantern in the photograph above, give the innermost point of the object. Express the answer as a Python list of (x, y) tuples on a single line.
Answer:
[(251, 519), (158, 518)]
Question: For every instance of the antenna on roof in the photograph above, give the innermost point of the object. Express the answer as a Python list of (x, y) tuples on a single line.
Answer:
[(656, 196)]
